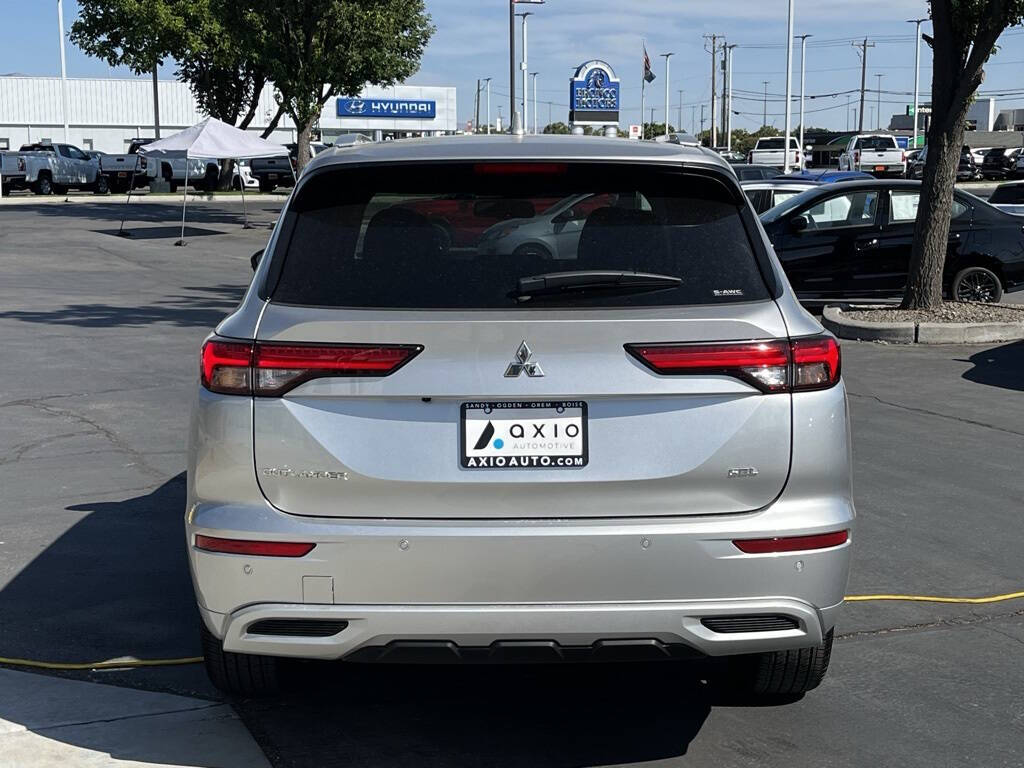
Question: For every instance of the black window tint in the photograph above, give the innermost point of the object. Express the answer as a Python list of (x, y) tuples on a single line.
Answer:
[(438, 236), (876, 142), (771, 143)]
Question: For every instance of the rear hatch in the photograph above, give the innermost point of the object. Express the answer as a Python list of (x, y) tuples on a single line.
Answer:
[(479, 389)]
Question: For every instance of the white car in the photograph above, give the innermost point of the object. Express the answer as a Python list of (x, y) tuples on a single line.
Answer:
[(552, 234), (243, 175)]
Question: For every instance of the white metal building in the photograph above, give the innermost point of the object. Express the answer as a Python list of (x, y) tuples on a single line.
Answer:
[(106, 114)]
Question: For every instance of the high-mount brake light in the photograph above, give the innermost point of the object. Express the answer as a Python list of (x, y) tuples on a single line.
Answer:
[(517, 169), (249, 547), (807, 363), (792, 543), (271, 369)]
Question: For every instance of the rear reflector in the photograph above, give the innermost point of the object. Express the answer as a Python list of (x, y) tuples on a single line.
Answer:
[(792, 543), (245, 547), (772, 366), (267, 370)]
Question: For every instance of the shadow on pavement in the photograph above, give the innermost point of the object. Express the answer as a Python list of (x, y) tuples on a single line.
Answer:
[(115, 583), (205, 309), (999, 367), (203, 214), (159, 233)]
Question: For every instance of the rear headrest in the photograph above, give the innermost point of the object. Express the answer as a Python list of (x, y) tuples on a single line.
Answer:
[(400, 234), (622, 238)]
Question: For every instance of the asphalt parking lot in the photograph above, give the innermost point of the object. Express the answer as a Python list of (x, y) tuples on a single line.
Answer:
[(99, 357)]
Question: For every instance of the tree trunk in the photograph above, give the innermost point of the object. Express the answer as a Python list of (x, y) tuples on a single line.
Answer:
[(272, 126), (305, 132), (227, 172)]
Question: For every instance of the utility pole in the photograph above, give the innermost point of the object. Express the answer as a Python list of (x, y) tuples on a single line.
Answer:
[(668, 104), (863, 51), (713, 50), (803, 75), (764, 121), (702, 117), (487, 81), (693, 119), (523, 66), (727, 123), (63, 69), (680, 111), (511, 59), (534, 76), (789, 90), (878, 102), (917, 69), (476, 119)]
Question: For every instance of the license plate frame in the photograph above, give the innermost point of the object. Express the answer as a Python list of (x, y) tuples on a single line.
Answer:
[(530, 461)]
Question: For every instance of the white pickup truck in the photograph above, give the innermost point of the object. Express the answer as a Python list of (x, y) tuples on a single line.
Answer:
[(874, 153), (47, 168), (135, 167), (769, 151)]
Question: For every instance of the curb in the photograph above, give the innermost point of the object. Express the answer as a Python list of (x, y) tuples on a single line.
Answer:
[(919, 333)]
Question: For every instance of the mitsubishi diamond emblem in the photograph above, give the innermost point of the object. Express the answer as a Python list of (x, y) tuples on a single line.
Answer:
[(524, 356)]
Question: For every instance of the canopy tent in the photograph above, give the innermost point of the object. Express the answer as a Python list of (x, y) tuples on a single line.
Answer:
[(212, 138)]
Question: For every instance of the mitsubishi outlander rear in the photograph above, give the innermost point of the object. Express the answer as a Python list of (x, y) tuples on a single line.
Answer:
[(615, 435)]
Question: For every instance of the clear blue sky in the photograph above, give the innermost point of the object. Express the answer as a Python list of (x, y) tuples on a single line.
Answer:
[(472, 41)]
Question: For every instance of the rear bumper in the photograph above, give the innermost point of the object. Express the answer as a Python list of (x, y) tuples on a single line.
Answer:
[(475, 583), (377, 632)]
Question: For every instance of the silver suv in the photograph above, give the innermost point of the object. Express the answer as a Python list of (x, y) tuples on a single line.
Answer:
[(412, 444)]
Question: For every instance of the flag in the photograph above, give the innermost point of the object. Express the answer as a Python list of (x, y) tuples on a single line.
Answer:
[(648, 74)]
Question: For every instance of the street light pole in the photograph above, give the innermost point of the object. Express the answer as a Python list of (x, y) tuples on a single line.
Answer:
[(487, 83), (789, 87), (728, 97), (764, 121), (917, 68), (511, 58), (878, 102), (666, 56), (63, 69), (803, 75), (534, 76), (523, 67)]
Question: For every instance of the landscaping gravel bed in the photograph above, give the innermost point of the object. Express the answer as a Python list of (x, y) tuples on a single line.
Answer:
[(949, 312)]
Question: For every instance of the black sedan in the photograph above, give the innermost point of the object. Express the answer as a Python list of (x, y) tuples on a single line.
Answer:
[(853, 240), (966, 170)]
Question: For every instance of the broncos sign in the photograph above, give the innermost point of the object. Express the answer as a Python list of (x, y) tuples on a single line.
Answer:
[(594, 95)]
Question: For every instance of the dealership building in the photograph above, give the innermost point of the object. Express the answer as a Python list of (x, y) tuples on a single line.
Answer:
[(106, 114)]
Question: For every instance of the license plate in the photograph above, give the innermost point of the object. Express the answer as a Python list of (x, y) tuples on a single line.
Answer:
[(541, 434), (272, 176), (879, 167), (122, 174)]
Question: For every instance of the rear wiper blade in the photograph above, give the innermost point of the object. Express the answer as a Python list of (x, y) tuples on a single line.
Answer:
[(592, 280)]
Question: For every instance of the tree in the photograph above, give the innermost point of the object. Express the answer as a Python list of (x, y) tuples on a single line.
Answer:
[(138, 34), (558, 127), (964, 36), (653, 130), (316, 49)]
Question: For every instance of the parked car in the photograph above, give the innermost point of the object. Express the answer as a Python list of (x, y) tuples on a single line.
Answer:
[(56, 168), (1000, 162), (552, 234), (966, 169), (243, 175), (1009, 197), (978, 153), (764, 195), (279, 171), (828, 176), (769, 151), (12, 171), (853, 240), (876, 153), (404, 451), (756, 172)]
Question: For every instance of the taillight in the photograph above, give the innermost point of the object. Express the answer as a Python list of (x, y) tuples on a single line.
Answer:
[(816, 362), (142, 163), (792, 543), (249, 547), (507, 169), (856, 157), (807, 363), (903, 157), (268, 370)]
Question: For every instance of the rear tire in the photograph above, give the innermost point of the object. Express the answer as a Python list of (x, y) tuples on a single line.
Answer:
[(977, 284), (241, 674), (42, 186), (266, 186), (102, 186), (783, 673)]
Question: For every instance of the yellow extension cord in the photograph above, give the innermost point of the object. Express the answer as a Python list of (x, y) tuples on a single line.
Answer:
[(133, 663)]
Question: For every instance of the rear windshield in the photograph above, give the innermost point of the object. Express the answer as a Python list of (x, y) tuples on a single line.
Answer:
[(771, 143), (876, 142), (463, 236)]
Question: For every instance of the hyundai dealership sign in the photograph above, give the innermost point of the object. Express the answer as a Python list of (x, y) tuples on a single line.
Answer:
[(594, 95), (387, 108)]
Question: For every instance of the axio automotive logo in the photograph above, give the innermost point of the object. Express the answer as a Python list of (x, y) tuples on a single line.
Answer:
[(524, 363)]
